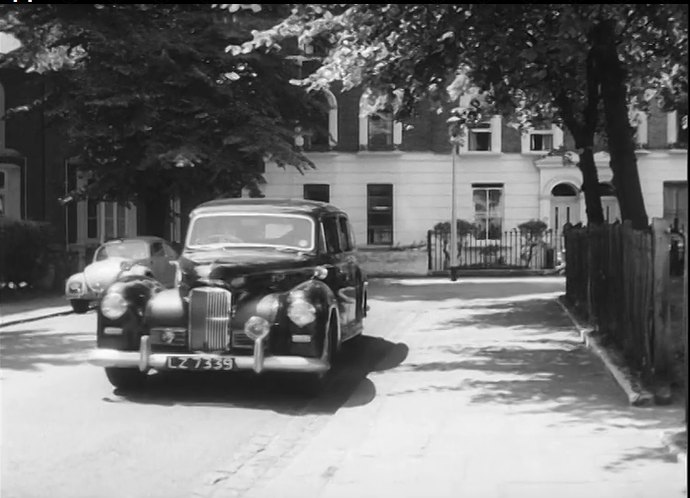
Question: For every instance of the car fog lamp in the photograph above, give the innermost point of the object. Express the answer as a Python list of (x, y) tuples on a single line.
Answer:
[(301, 312), (268, 305), (167, 336), (113, 306), (257, 327)]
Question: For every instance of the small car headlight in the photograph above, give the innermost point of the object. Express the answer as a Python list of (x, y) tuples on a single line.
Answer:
[(74, 287), (257, 327), (113, 305), (300, 311)]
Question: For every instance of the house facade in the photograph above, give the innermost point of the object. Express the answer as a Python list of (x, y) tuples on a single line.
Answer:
[(396, 183)]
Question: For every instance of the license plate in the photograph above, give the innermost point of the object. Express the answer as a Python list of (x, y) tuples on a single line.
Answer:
[(200, 363)]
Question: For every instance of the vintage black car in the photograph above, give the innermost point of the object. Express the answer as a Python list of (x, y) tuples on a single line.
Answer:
[(262, 285)]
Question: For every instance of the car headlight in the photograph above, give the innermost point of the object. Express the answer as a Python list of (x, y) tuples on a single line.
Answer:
[(74, 287), (268, 305), (113, 305), (300, 311), (257, 327)]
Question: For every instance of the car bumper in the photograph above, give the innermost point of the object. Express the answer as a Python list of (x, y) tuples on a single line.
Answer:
[(85, 296), (145, 360)]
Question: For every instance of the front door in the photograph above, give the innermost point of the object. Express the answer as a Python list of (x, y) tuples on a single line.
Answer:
[(564, 210)]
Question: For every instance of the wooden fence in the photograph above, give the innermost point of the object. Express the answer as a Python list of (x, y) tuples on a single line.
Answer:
[(619, 278)]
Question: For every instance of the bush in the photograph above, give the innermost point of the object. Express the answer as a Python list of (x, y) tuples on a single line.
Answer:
[(464, 227), (533, 229), (24, 249)]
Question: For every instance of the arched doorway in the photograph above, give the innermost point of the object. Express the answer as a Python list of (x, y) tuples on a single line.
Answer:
[(565, 206)]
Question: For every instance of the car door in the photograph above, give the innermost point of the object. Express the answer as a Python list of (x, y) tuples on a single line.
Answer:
[(340, 280)]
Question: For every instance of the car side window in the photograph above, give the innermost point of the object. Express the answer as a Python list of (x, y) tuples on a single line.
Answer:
[(157, 250), (170, 253), (345, 236), (330, 229)]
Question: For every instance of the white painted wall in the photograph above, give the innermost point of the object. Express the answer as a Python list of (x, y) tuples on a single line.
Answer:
[(422, 189)]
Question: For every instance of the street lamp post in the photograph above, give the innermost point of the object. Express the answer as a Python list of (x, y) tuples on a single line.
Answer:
[(455, 137)]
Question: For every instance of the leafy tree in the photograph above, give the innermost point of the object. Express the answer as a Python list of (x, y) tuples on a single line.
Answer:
[(152, 104), (582, 65)]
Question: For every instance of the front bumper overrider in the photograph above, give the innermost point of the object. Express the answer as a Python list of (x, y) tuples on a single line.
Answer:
[(145, 359)]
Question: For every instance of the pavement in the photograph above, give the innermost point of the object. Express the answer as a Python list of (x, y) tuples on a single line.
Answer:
[(500, 398), (13, 311)]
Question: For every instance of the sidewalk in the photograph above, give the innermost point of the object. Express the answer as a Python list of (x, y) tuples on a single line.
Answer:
[(496, 398), (13, 310)]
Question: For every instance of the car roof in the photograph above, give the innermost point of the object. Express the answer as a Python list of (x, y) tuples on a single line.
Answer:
[(144, 238), (266, 205)]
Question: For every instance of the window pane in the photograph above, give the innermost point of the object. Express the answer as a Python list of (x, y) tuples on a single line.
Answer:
[(494, 202), (91, 219), (121, 218), (479, 197), (479, 141), (380, 131), (317, 192), (330, 229), (541, 142), (488, 212), (345, 239), (380, 214)]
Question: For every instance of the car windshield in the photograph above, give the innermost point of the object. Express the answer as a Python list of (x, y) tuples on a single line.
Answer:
[(236, 230), (130, 249)]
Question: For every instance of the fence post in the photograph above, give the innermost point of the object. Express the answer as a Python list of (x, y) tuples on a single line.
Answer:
[(685, 329), (428, 250), (661, 244)]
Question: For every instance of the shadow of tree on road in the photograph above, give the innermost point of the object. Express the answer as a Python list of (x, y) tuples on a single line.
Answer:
[(27, 349)]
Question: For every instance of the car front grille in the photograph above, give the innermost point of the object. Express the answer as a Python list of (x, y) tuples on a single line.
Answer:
[(209, 318)]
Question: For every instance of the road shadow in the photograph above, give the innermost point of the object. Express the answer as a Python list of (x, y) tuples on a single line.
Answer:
[(438, 290), (28, 349), (347, 384)]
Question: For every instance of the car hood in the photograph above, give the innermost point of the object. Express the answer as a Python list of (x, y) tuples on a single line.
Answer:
[(221, 266), (100, 274)]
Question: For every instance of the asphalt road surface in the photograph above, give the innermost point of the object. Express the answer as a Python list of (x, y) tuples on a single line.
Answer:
[(67, 433)]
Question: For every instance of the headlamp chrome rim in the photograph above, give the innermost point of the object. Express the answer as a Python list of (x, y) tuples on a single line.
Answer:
[(113, 305)]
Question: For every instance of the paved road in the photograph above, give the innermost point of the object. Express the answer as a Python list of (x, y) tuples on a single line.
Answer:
[(66, 433)]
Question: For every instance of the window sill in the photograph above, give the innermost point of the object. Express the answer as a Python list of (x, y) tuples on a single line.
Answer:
[(535, 152), (487, 153), (677, 151)]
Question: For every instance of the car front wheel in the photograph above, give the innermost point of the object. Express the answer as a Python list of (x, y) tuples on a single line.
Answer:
[(80, 306), (314, 384), (126, 378)]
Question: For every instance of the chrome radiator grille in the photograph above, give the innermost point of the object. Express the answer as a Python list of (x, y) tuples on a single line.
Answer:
[(209, 319)]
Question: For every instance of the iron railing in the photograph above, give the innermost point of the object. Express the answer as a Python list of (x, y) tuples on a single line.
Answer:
[(514, 249)]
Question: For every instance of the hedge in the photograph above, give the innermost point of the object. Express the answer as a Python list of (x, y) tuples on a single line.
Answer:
[(23, 249)]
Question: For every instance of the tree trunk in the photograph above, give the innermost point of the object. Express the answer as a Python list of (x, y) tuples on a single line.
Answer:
[(612, 75), (590, 186)]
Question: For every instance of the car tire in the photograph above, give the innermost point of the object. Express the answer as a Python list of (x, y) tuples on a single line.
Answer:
[(126, 378), (80, 306), (313, 384)]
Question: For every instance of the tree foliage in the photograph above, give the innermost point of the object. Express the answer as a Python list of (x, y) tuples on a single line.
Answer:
[(583, 65), (149, 100)]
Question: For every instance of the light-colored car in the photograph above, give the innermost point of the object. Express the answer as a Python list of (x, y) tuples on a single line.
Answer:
[(145, 255)]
